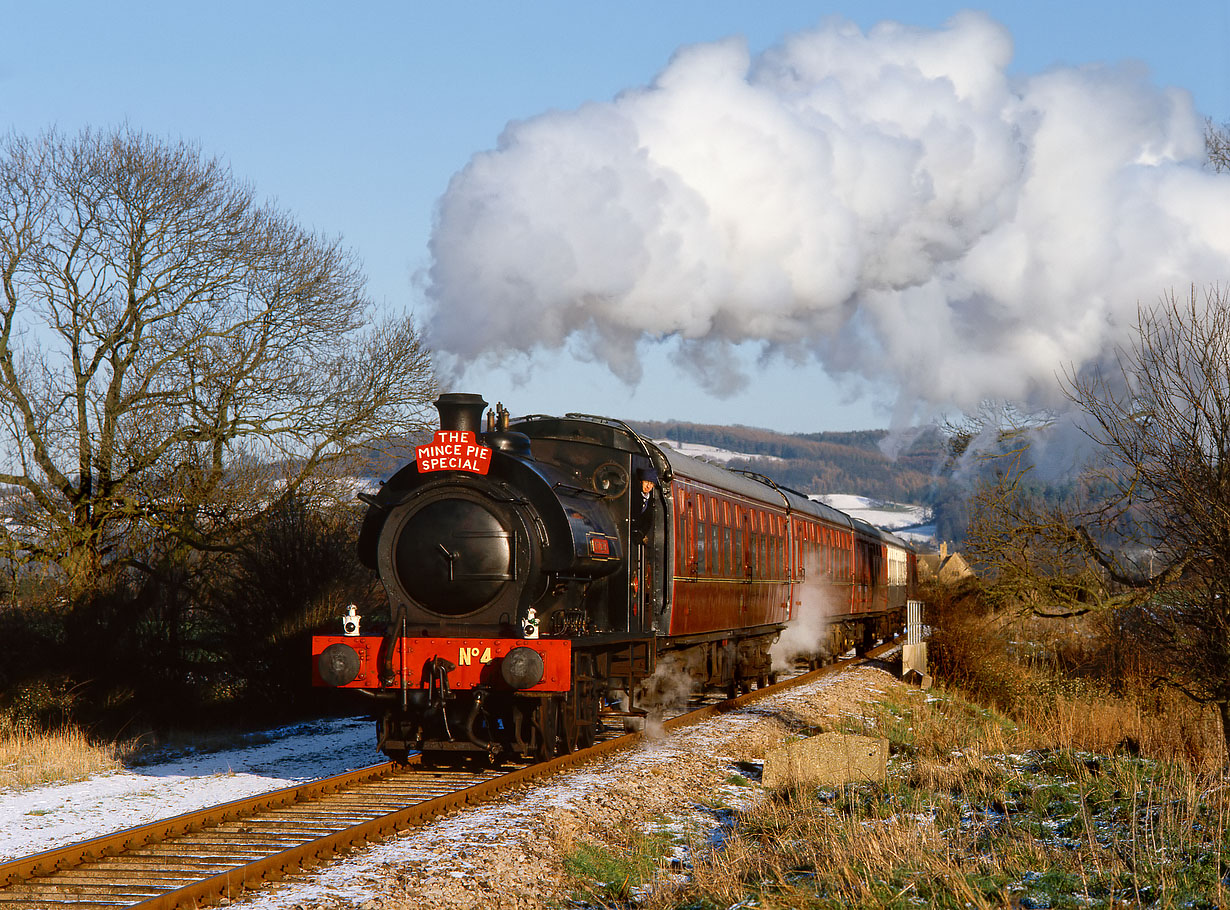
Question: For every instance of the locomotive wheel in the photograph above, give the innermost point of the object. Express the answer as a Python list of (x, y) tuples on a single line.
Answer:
[(579, 709), (578, 721), (546, 722)]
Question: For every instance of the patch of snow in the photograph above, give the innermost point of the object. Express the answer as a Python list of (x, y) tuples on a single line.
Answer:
[(918, 534), (892, 516), (710, 453), (457, 837), (43, 818)]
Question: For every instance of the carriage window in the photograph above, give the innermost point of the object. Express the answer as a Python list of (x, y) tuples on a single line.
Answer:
[(683, 545), (681, 536), (727, 553), (701, 565), (715, 557)]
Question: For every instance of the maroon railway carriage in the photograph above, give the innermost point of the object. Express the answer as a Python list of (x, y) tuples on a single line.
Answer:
[(538, 568)]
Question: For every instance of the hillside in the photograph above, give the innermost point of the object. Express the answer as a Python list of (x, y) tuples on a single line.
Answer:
[(852, 462)]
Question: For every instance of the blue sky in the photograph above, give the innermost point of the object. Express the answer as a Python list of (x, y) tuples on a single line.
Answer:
[(354, 117)]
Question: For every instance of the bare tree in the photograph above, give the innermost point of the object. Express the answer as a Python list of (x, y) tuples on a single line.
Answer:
[(1031, 546), (1162, 425), (1217, 145), (174, 354)]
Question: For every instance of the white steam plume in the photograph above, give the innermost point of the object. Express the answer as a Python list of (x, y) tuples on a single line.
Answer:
[(806, 636), (891, 203)]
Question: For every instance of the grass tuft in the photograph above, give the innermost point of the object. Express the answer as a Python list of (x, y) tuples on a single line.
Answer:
[(606, 873), (32, 759)]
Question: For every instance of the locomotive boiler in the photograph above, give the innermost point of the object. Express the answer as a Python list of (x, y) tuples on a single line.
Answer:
[(535, 568)]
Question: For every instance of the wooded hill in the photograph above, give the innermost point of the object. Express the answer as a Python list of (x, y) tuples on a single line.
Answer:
[(853, 462)]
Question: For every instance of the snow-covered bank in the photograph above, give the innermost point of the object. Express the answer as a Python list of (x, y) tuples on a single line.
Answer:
[(43, 818), (911, 521)]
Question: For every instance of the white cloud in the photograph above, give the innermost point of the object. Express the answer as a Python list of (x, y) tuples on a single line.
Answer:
[(891, 203)]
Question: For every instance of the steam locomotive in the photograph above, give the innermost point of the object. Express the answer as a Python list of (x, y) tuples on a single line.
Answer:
[(539, 567)]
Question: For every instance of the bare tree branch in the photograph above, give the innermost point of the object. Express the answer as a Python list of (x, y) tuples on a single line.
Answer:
[(1217, 145)]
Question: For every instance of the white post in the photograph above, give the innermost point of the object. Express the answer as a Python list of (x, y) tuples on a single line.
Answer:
[(914, 653)]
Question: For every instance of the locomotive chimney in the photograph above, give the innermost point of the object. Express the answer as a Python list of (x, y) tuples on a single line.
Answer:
[(461, 411)]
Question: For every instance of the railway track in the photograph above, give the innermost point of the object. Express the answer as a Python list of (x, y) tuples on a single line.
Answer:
[(212, 854)]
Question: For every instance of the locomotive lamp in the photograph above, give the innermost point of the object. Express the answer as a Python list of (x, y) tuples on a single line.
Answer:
[(350, 622), (529, 628)]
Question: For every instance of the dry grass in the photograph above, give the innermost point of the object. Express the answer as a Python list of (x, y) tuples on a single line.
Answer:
[(789, 855), (1073, 684), (1171, 728), (1049, 773), (975, 814), (31, 759)]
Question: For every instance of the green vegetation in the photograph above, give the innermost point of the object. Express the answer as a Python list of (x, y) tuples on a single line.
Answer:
[(617, 872)]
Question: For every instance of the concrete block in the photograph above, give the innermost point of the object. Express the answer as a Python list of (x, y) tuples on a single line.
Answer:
[(914, 678), (826, 760), (914, 658)]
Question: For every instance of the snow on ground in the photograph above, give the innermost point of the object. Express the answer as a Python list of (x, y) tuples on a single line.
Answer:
[(921, 534), (710, 453), (891, 516), (486, 855), (32, 821)]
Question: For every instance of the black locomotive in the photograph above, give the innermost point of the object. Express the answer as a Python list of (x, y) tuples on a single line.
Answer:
[(537, 568)]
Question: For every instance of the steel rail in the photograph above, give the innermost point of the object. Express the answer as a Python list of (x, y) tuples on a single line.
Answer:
[(162, 874)]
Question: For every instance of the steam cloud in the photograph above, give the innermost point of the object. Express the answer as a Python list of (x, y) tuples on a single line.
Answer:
[(891, 203), (807, 635)]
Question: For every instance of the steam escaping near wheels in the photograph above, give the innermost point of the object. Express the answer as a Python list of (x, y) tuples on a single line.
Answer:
[(809, 636)]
